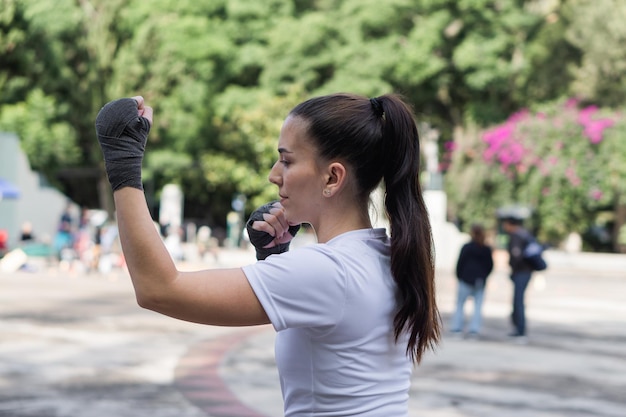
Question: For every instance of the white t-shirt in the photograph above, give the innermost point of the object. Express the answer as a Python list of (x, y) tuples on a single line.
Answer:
[(333, 306)]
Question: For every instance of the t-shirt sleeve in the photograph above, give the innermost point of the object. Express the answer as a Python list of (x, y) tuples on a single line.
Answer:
[(305, 287)]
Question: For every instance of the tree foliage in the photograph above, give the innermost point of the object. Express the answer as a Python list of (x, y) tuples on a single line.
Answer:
[(223, 74), (597, 29)]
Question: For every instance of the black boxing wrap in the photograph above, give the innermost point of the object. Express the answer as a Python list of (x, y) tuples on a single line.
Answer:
[(259, 239), (122, 134)]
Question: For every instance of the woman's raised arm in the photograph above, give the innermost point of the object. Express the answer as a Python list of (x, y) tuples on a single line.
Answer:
[(218, 296)]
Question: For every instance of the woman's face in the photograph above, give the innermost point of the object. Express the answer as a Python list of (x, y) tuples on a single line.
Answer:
[(298, 173)]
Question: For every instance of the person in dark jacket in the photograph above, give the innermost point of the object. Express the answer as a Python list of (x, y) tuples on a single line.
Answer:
[(521, 272), (474, 265)]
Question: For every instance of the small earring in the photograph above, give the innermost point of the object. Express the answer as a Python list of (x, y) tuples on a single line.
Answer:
[(327, 192)]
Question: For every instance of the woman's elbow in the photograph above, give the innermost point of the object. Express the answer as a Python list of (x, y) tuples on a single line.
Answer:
[(143, 301), (154, 292), (152, 300)]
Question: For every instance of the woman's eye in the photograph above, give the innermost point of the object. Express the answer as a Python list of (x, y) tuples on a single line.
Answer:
[(284, 162)]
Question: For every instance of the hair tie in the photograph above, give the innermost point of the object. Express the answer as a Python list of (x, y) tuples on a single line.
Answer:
[(377, 106)]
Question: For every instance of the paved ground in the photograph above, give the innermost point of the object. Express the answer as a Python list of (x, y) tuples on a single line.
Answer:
[(75, 345)]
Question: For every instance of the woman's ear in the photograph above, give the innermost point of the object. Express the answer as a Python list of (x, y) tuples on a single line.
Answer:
[(335, 178)]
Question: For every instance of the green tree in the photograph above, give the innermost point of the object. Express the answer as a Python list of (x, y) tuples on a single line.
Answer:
[(216, 71), (53, 83), (31, 74), (50, 142), (597, 29)]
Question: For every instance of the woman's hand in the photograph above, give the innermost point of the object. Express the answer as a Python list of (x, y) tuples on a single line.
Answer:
[(269, 231), (122, 127), (143, 110)]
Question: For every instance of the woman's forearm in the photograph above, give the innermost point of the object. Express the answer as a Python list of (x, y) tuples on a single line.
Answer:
[(149, 263)]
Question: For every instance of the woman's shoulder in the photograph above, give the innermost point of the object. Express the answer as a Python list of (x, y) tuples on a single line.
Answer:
[(312, 257), (337, 256)]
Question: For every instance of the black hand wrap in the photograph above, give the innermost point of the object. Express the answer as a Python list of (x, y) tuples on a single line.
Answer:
[(259, 238), (122, 135)]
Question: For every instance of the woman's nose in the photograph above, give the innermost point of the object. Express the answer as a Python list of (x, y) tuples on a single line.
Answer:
[(274, 176)]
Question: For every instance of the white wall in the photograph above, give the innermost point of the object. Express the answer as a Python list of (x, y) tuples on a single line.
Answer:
[(39, 204), (447, 238)]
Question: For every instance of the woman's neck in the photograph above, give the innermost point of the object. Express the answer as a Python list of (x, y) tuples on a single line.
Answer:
[(338, 219)]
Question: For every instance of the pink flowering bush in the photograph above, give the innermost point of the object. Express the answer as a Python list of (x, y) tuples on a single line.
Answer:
[(567, 161)]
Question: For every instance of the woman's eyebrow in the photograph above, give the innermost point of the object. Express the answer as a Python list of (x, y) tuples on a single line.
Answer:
[(283, 150)]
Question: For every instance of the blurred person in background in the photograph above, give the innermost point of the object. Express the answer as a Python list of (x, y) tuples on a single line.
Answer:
[(474, 265), (521, 273)]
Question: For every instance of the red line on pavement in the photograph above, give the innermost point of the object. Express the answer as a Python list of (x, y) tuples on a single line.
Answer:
[(197, 376)]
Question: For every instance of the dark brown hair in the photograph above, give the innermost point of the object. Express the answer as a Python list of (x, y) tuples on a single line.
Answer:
[(477, 233), (378, 138)]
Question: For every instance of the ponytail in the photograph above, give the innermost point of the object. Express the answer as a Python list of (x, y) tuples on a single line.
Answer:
[(412, 261), (378, 137)]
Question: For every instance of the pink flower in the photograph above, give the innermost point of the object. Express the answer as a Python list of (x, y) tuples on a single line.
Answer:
[(584, 116), (595, 128), (496, 139), (571, 103), (499, 134), (502, 144), (570, 174), (519, 116), (595, 194)]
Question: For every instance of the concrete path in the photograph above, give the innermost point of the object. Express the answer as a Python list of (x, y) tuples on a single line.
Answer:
[(74, 345)]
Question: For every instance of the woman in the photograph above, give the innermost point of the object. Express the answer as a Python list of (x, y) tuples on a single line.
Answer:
[(474, 265), (353, 312)]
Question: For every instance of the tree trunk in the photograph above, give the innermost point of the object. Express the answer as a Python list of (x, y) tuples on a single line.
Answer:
[(105, 196)]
